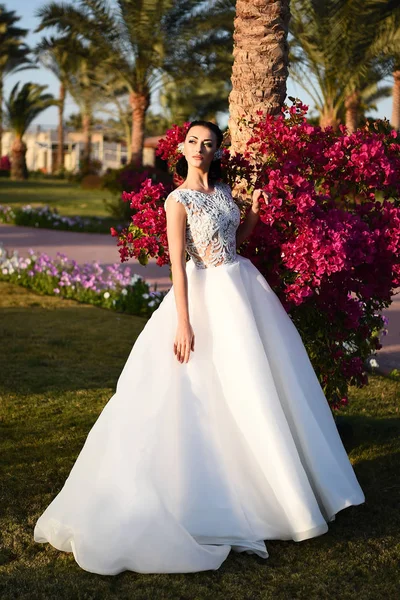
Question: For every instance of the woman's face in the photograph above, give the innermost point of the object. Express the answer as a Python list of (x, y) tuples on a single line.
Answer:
[(200, 147)]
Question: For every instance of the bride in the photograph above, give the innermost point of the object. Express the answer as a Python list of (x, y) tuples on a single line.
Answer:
[(218, 436)]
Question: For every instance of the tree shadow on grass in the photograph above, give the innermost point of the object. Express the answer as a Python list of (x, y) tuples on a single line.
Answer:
[(70, 348)]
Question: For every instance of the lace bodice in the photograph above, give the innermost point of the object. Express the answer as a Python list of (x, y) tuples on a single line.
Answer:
[(212, 221)]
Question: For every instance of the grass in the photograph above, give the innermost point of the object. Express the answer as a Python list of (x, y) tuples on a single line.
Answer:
[(69, 198), (59, 365)]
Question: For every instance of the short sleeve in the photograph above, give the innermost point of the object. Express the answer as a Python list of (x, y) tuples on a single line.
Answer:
[(176, 196)]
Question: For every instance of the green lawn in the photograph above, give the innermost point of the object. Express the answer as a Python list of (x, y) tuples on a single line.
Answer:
[(59, 365), (69, 198)]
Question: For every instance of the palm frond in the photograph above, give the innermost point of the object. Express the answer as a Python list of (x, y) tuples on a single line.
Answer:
[(25, 104)]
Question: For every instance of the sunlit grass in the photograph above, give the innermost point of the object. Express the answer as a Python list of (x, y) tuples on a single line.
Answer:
[(69, 198)]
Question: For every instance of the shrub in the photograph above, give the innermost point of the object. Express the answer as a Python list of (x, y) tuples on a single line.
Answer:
[(5, 166), (328, 240), (129, 178)]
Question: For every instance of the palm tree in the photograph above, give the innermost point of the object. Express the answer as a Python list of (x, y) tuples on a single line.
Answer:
[(388, 46), (364, 98), (318, 63), (199, 67), (184, 100), (13, 53), (22, 107), (60, 56), (332, 56), (260, 67), (83, 86), (132, 41)]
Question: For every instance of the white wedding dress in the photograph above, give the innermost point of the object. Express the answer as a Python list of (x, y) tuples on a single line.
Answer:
[(187, 462)]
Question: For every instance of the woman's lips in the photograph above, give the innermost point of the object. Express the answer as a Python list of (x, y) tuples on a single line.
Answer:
[(197, 156)]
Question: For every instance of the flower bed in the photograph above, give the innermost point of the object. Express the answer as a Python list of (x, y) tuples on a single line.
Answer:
[(49, 218), (112, 287)]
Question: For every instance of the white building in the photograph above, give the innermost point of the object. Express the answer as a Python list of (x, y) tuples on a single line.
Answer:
[(42, 150)]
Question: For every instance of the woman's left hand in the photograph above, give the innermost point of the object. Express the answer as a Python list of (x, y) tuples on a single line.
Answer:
[(256, 200)]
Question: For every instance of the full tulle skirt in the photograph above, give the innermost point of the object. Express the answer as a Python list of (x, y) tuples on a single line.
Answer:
[(187, 462)]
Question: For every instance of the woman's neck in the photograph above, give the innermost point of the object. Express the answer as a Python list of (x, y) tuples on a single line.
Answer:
[(197, 180)]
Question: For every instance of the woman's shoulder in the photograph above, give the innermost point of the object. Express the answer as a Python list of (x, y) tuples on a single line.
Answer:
[(176, 195), (187, 196)]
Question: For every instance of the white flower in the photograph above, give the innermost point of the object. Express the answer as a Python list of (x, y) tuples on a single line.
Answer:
[(106, 295), (145, 296), (124, 292), (152, 303), (373, 362), (5, 271)]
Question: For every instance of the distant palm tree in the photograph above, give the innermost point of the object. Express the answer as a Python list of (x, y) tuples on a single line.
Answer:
[(185, 100), (60, 56), (334, 53), (131, 41), (387, 45), (199, 67), (83, 86), (13, 53), (364, 98), (260, 66), (22, 107)]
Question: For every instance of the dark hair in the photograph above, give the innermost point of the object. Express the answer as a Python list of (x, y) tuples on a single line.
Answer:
[(214, 171)]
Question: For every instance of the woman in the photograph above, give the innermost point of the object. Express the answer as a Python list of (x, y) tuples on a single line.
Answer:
[(218, 436)]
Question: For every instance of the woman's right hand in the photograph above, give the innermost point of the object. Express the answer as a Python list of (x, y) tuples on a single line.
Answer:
[(184, 342)]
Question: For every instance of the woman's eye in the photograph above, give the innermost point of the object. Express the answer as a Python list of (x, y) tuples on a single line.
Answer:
[(206, 145)]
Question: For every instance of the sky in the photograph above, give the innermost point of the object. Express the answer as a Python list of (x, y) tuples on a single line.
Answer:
[(26, 9)]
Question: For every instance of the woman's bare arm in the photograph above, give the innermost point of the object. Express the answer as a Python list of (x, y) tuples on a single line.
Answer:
[(246, 228), (176, 233)]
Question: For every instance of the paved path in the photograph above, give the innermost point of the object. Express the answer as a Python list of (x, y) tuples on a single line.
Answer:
[(87, 247)]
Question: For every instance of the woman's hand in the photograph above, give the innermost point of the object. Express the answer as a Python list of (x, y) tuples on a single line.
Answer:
[(184, 342), (246, 227), (255, 207)]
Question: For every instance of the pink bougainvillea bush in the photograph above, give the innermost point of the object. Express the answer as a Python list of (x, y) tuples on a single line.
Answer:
[(328, 240)]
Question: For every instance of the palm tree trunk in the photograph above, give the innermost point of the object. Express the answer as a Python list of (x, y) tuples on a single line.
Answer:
[(128, 139), (18, 163), (60, 149), (260, 67), (139, 104), (328, 117), (396, 99), (352, 105), (1, 115), (87, 137)]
